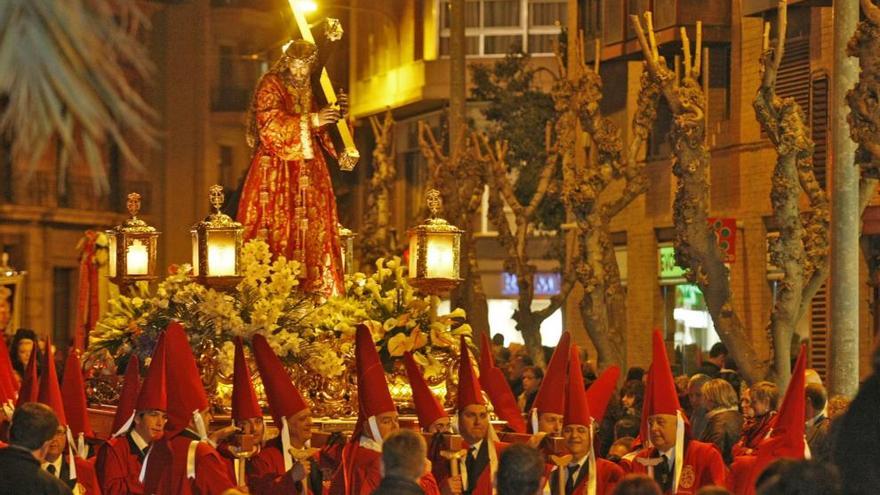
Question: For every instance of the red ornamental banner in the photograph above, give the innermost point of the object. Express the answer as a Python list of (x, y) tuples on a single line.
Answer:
[(725, 235)]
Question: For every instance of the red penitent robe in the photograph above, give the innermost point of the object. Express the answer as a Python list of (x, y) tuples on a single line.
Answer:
[(703, 466), (85, 475), (289, 199), (167, 472), (608, 475), (484, 482), (266, 474), (118, 466), (364, 473)]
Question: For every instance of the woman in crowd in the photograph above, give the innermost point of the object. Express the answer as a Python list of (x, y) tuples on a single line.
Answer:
[(723, 420), (24, 343)]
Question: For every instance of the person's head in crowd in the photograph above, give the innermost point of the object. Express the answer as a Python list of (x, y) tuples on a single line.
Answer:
[(520, 469), (718, 394), (837, 405), (815, 403), (24, 343), (498, 340), (502, 357), (637, 484), (713, 490), (812, 376), (627, 426), (718, 354), (802, 477), (518, 363), (634, 373), (33, 428), (760, 399), (531, 378), (403, 455), (695, 390), (632, 394), (620, 448)]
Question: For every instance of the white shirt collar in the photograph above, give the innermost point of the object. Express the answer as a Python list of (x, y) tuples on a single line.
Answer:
[(815, 419), (139, 440), (57, 465), (670, 455), (476, 447)]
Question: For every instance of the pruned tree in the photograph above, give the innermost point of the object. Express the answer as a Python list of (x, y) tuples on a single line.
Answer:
[(460, 179), (864, 117), (801, 249), (377, 234), (696, 248), (515, 238), (590, 199)]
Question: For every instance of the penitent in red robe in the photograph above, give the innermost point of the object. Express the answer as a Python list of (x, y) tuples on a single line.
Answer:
[(608, 475), (703, 466), (364, 473), (288, 198), (118, 466), (266, 474), (166, 468)]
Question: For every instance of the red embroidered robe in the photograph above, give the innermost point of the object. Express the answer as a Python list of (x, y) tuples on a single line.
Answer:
[(289, 199), (266, 474), (360, 473), (703, 466), (166, 468), (608, 475)]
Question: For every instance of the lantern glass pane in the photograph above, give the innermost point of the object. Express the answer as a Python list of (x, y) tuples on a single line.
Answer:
[(440, 256), (413, 254), (195, 252), (111, 265), (221, 254), (136, 258)]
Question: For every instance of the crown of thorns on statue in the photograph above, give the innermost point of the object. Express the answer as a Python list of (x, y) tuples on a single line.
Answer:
[(301, 51)]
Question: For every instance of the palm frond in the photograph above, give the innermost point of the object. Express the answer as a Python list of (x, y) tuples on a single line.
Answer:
[(66, 70)]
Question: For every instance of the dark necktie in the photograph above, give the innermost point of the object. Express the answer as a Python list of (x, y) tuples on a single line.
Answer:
[(572, 478), (662, 475), (470, 464), (51, 469)]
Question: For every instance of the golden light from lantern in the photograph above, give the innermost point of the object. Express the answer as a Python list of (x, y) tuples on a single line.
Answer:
[(346, 247), (434, 251), (216, 246), (132, 249), (304, 6)]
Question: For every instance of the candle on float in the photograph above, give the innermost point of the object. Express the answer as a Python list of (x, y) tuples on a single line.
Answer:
[(136, 258), (221, 258)]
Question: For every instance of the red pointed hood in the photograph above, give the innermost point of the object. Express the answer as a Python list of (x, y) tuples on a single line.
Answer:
[(131, 385), (30, 382), (469, 391), (786, 439), (661, 385), (8, 384), (493, 381), (428, 408), (244, 399), (600, 391), (187, 394), (73, 393), (550, 398), (50, 391), (577, 409), (153, 393), (283, 397), (373, 393)]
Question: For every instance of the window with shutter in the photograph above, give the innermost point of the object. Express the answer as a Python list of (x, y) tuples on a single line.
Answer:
[(819, 335), (819, 126)]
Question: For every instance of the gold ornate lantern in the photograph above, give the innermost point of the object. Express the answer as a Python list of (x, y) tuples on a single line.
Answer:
[(434, 251), (216, 246), (132, 248), (346, 245)]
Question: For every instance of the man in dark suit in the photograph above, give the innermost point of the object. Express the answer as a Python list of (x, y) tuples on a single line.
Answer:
[(403, 464), (33, 426)]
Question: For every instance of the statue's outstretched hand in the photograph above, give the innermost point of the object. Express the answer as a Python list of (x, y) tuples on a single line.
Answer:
[(328, 115), (342, 102)]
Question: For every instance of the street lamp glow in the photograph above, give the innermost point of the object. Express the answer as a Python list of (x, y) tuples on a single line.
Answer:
[(304, 6)]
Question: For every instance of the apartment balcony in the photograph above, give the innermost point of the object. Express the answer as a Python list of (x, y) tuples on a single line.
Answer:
[(40, 198), (759, 7), (619, 38)]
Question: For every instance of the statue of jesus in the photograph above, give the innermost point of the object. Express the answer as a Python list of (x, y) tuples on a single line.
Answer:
[(287, 198)]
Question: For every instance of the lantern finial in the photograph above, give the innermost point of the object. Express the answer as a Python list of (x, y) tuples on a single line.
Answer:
[(435, 202), (216, 196), (133, 204)]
